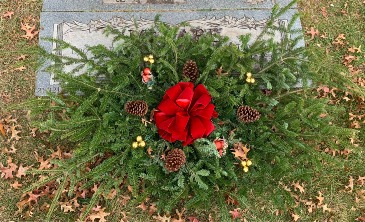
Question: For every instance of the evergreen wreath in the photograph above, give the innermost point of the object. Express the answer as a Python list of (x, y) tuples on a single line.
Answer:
[(184, 121)]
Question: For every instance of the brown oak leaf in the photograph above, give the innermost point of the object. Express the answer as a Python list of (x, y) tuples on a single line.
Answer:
[(142, 206), (164, 218), (313, 32), (360, 219), (2, 130), (21, 171), (179, 215), (320, 198), (99, 215), (21, 57), (16, 185), (12, 149), (44, 164), (67, 207), (324, 11), (20, 69), (7, 172), (350, 187), (8, 14), (325, 208), (111, 195), (33, 197), (299, 187), (295, 217), (235, 213), (193, 219), (152, 209), (15, 132), (30, 31)]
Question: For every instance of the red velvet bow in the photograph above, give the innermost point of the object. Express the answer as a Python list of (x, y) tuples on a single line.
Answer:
[(184, 113)]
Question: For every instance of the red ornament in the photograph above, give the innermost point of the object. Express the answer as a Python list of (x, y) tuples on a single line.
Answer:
[(147, 71), (185, 113), (221, 145), (147, 77)]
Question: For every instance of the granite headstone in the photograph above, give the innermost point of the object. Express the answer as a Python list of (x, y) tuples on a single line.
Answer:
[(82, 22)]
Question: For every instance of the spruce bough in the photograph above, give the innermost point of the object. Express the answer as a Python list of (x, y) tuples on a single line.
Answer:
[(90, 113)]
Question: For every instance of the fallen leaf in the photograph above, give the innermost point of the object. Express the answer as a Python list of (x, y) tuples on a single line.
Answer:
[(152, 209), (164, 218), (149, 151), (193, 219), (97, 208), (67, 207), (14, 132), (16, 185), (21, 57), (99, 215), (324, 11), (142, 206), (95, 188), (44, 164), (124, 199), (339, 41), (2, 130), (21, 171), (325, 208), (130, 188), (179, 215), (312, 33), (295, 217), (361, 181), (350, 187), (57, 154), (240, 151), (299, 187), (8, 14), (30, 31), (320, 198), (7, 172), (360, 219), (20, 69), (12, 149), (33, 197), (361, 193), (235, 213), (111, 195)]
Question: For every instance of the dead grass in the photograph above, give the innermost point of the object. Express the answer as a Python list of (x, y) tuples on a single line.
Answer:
[(17, 86)]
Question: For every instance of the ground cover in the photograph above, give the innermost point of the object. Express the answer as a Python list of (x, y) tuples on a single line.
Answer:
[(334, 35)]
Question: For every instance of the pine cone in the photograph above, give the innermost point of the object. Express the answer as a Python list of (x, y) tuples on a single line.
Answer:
[(174, 160), (247, 114), (191, 70), (138, 107)]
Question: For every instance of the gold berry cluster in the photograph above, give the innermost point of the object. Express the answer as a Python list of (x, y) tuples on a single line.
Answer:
[(249, 78), (139, 142), (149, 59), (245, 164)]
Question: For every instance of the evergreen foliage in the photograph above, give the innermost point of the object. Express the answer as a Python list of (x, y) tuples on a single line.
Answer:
[(89, 113)]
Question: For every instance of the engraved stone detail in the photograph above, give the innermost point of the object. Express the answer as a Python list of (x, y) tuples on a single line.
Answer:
[(255, 2), (144, 1), (77, 33)]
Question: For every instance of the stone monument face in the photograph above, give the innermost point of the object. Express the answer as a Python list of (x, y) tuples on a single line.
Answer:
[(82, 22)]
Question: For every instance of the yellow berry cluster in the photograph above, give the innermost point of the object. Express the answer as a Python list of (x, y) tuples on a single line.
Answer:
[(149, 59), (139, 142), (249, 78), (245, 164)]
